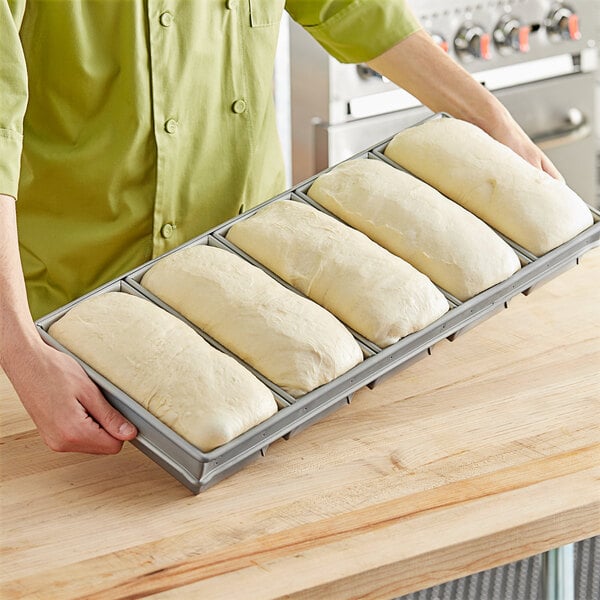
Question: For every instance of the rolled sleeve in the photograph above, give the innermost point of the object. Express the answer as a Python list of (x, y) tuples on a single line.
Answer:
[(13, 95), (357, 30), (11, 146)]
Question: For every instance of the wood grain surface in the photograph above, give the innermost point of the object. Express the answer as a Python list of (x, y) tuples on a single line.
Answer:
[(483, 453)]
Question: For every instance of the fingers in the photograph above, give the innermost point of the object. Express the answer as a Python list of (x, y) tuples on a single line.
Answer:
[(66, 406), (82, 434), (109, 419), (91, 424), (549, 167)]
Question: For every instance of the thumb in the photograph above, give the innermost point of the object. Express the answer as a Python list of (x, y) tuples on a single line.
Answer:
[(111, 420)]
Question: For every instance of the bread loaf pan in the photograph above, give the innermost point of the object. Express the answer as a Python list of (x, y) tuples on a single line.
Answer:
[(198, 470)]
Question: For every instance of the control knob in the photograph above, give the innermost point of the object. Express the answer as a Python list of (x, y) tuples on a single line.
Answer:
[(511, 36), (563, 23), (440, 41), (472, 42)]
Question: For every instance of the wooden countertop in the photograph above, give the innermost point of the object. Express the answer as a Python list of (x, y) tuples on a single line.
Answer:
[(484, 453)]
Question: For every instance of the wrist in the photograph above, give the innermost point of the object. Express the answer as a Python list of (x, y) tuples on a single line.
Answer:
[(18, 339)]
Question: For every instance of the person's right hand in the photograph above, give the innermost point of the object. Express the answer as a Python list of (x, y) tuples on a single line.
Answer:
[(68, 409)]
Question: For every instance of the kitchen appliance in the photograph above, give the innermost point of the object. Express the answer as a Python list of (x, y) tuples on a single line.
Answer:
[(537, 56)]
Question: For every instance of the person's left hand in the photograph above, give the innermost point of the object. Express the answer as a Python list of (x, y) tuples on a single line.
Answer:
[(509, 132)]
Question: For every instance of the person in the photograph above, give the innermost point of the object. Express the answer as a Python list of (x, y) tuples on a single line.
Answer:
[(129, 127)]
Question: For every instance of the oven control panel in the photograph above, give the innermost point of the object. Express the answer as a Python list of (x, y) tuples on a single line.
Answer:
[(501, 42), (486, 34)]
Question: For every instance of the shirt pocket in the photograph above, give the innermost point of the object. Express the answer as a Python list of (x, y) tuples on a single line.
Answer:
[(265, 13)]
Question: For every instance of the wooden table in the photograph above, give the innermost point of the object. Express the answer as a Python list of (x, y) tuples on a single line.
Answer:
[(484, 453)]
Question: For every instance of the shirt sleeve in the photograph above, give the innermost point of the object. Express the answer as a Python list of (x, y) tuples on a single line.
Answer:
[(13, 95), (355, 31)]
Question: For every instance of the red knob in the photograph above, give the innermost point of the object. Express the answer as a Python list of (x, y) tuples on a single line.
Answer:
[(524, 38), (484, 46), (574, 32), (440, 40)]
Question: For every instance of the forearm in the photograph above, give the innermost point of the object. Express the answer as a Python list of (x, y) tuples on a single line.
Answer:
[(16, 326), (420, 67)]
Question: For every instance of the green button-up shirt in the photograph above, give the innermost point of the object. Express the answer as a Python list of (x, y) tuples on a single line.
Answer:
[(128, 127)]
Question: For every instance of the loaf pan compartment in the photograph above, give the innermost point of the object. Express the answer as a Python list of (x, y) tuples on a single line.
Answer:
[(302, 192)]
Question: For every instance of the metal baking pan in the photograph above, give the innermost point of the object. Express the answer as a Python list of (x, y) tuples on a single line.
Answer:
[(198, 470)]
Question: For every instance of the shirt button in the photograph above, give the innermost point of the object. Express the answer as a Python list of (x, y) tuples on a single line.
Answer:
[(171, 126), (167, 230), (165, 19), (239, 106), (231, 4)]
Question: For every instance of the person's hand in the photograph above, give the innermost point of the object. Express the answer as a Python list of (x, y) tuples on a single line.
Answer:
[(509, 132), (66, 406)]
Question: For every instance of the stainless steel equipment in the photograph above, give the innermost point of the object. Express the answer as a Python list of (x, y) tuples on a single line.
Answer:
[(537, 56)]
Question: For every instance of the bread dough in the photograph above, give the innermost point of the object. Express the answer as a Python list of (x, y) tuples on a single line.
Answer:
[(204, 395), (490, 180), (291, 340), (376, 293), (454, 248)]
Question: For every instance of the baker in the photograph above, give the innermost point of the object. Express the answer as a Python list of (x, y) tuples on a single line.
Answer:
[(128, 127)]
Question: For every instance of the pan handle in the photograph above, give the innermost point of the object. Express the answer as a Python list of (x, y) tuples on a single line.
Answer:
[(577, 128)]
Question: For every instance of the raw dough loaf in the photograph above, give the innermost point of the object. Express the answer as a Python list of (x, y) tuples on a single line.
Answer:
[(291, 340), (493, 182), (205, 396), (454, 248), (374, 292)]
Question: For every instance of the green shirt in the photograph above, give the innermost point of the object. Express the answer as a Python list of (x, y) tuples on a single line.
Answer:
[(128, 127)]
